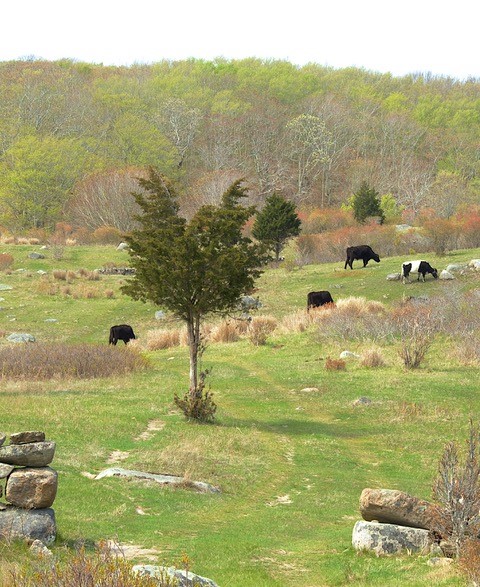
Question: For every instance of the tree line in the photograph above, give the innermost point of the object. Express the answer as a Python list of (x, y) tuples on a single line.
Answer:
[(74, 137)]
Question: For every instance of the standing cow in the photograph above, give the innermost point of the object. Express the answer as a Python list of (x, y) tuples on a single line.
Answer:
[(121, 332), (420, 267), (315, 299), (363, 252)]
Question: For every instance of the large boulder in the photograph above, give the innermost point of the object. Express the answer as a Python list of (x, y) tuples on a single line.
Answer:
[(30, 525), (396, 507), (32, 488), (34, 454), (385, 539), (5, 470), (183, 578), (446, 275)]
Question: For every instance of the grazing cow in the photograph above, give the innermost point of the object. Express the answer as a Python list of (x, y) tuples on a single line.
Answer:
[(315, 299), (363, 252), (121, 332), (420, 267)]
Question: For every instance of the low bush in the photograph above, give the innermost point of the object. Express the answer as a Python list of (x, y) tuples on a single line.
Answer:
[(40, 361), (335, 364), (6, 261), (106, 235), (226, 331)]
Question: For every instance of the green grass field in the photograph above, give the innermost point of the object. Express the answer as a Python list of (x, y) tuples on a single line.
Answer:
[(291, 464)]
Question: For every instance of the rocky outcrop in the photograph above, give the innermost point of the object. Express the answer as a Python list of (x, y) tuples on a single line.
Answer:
[(390, 506), (384, 539), (30, 487)]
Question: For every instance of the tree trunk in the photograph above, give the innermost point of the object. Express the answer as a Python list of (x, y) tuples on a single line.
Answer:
[(193, 329)]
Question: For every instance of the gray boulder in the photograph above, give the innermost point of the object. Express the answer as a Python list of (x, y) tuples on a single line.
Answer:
[(385, 539), (36, 256), (183, 578), (30, 525), (390, 506), (20, 337), (362, 401), (4, 287), (474, 264), (446, 275), (35, 454), (32, 487), (453, 267), (122, 247), (5, 470), (393, 277), (27, 437), (349, 355), (249, 303), (159, 315)]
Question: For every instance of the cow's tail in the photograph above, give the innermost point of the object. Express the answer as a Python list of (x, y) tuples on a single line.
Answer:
[(111, 337)]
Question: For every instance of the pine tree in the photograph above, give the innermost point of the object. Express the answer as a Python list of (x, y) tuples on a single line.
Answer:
[(191, 268), (366, 203), (276, 223)]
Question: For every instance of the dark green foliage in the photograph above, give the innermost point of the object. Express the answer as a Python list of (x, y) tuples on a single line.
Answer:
[(199, 406), (366, 203), (191, 268), (276, 223)]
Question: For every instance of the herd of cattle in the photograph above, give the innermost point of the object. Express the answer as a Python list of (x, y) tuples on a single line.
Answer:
[(315, 299), (365, 253)]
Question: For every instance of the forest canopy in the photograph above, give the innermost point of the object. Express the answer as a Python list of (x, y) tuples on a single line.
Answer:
[(76, 133)]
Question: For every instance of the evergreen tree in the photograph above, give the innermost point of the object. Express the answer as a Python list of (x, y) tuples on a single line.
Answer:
[(276, 223), (366, 203), (191, 268)]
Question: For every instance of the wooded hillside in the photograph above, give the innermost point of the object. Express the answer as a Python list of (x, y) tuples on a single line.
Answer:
[(73, 136)]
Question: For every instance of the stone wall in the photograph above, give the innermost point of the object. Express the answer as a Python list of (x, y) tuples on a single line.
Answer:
[(28, 487)]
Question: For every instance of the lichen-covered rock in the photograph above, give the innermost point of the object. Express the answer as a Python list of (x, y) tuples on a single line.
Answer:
[(32, 488), (393, 277), (5, 470), (20, 337), (390, 506), (34, 454), (183, 578), (384, 539), (20, 524), (25, 437), (446, 275)]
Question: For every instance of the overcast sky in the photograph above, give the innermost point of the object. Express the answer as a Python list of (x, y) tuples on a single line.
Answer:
[(436, 36)]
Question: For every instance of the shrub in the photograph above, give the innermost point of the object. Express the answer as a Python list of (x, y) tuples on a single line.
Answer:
[(201, 407), (299, 321), (41, 361), (259, 329), (162, 339), (457, 490), (70, 242), (6, 261), (22, 240), (106, 235), (469, 560), (417, 331), (109, 293), (33, 241), (335, 364), (372, 358), (442, 234)]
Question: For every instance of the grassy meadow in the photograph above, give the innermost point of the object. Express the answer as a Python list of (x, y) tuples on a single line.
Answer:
[(290, 461)]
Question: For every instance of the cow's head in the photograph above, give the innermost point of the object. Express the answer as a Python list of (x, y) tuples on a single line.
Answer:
[(376, 257), (435, 273)]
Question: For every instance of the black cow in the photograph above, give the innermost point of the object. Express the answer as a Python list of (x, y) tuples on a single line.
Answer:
[(315, 299), (121, 332), (363, 252), (420, 267)]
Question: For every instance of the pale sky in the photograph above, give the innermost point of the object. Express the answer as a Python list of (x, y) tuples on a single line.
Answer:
[(437, 36)]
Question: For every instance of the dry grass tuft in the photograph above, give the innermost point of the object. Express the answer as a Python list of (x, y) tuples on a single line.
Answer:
[(6, 261), (372, 358), (259, 329), (162, 339), (358, 306), (59, 274), (60, 361), (226, 331), (299, 321)]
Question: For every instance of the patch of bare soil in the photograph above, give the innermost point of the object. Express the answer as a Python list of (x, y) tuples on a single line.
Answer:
[(133, 551), (153, 426)]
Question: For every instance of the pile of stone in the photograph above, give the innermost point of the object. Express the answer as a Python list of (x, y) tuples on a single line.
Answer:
[(29, 487), (395, 522), (116, 270)]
